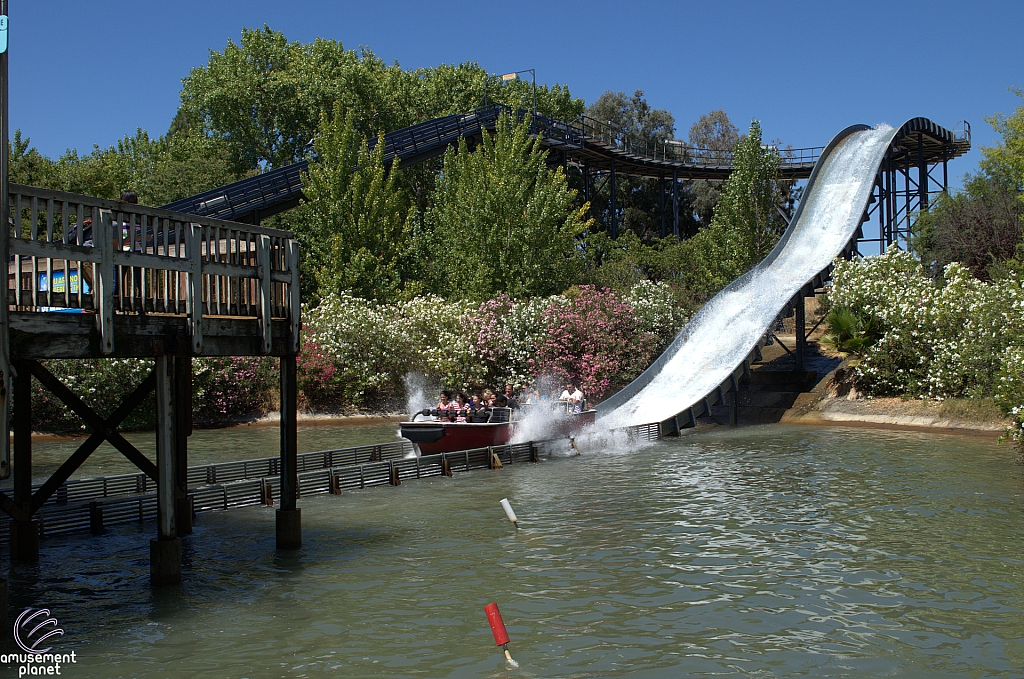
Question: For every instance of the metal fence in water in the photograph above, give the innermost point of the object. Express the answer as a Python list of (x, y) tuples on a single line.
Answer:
[(93, 504)]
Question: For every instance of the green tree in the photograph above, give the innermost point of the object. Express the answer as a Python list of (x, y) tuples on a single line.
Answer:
[(1004, 162), (746, 224), (501, 221), (979, 226), (632, 121), (715, 135), (356, 227)]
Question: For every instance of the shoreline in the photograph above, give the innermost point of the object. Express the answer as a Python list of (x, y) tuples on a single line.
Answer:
[(893, 414)]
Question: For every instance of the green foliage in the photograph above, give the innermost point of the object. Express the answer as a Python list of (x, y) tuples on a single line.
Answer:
[(355, 226), (980, 227), (501, 221), (937, 337), (746, 223), (158, 170), (716, 133), (1005, 161), (265, 96), (632, 120), (849, 333)]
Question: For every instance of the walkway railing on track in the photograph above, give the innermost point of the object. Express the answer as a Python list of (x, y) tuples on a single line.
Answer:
[(77, 253)]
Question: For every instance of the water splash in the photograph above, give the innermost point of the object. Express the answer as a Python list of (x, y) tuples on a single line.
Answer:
[(419, 392)]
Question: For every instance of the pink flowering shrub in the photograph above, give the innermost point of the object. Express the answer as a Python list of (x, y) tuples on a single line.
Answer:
[(593, 339), (232, 387), (316, 374)]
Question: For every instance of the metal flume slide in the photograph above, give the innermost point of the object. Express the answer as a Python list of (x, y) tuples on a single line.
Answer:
[(716, 345)]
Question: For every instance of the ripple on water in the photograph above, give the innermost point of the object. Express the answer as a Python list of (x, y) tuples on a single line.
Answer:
[(752, 552)]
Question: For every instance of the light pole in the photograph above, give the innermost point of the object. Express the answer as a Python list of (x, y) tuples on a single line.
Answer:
[(505, 77)]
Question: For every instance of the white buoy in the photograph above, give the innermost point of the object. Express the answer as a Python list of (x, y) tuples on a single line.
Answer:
[(508, 512)]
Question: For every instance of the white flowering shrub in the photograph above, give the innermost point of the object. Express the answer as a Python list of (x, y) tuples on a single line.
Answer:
[(941, 337), (1009, 390), (658, 308)]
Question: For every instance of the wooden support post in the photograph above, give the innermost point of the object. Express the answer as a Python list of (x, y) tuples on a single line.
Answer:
[(733, 407), (289, 517), (194, 292), (24, 534), (801, 323), (165, 549), (181, 387)]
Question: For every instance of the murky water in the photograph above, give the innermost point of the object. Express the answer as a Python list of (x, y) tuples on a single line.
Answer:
[(207, 445), (760, 552)]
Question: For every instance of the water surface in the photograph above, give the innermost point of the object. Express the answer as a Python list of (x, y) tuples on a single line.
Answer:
[(758, 552)]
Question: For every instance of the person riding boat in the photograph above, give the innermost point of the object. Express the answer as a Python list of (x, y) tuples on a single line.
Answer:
[(461, 407), (445, 405)]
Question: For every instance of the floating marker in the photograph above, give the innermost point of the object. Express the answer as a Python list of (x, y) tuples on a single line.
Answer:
[(498, 627), (509, 513)]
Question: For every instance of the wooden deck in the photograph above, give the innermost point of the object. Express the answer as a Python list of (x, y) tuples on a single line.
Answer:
[(91, 278), (95, 278)]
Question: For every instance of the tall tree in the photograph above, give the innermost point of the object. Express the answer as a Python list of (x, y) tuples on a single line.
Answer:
[(501, 221), (632, 121), (356, 224), (746, 224), (716, 136)]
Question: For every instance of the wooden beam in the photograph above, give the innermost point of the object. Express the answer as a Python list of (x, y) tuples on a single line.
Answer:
[(92, 419), (71, 465), (12, 510)]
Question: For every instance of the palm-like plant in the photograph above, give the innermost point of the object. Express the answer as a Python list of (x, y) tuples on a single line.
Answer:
[(849, 334)]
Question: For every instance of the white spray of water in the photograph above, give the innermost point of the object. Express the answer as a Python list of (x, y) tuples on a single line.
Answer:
[(724, 332), (419, 393)]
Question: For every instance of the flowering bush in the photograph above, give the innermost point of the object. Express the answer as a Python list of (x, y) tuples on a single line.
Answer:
[(101, 383), (593, 339), (1009, 390), (939, 337), (232, 387), (355, 352), (221, 388)]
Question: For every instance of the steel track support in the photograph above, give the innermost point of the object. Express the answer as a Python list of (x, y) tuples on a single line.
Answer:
[(675, 203), (613, 224)]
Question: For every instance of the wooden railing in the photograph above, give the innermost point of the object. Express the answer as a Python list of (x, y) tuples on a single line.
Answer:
[(74, 253)]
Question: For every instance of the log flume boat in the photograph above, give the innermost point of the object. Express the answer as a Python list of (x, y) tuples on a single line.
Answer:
[(490, 427)]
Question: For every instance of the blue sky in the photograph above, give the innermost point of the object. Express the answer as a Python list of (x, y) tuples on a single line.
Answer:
[(89, 73)]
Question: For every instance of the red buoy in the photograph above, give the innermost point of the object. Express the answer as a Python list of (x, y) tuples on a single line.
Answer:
[(497, 626)]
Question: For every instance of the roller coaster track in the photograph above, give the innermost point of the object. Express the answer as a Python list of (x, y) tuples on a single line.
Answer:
[(716, 348), (585, 141)]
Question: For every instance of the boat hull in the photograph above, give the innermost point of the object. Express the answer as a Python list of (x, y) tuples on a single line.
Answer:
[(447, 437)]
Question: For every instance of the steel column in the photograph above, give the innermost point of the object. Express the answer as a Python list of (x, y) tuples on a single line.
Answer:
[(922, 176), (661, 204), (800, 322), (675, 203), (613, 225)]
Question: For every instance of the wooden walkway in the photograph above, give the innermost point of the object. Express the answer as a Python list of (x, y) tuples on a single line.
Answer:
[(94, 278)]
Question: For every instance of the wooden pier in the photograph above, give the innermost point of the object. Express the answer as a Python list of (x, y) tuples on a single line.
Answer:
[(94, 278)]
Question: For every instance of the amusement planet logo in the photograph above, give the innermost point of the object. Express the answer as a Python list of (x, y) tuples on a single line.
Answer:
[(33, 628)]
